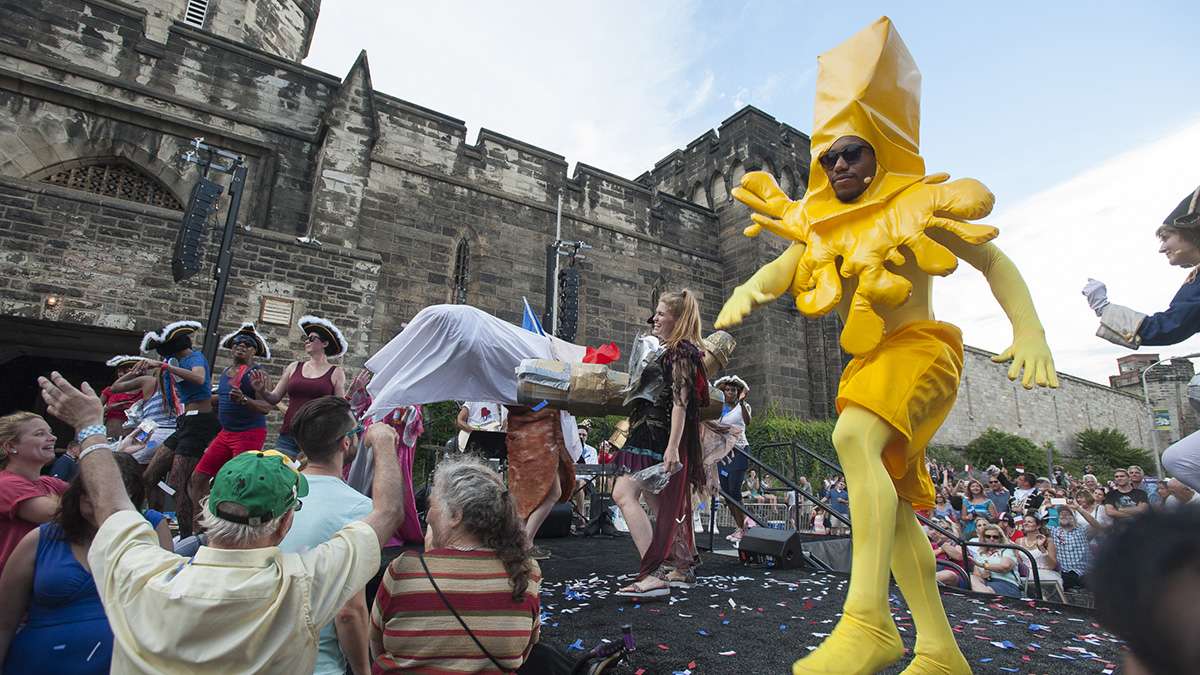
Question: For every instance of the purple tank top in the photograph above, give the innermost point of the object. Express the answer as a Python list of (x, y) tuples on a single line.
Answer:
[(301, 390)]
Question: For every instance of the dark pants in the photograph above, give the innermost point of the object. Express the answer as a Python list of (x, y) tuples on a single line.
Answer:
[(1073, 580)]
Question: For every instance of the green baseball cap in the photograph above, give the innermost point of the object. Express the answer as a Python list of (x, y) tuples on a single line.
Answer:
[(257, 487)]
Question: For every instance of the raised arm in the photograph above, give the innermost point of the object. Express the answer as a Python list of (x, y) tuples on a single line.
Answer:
[(1029, 351), (261, 383), (81, 408), (387, 488), (768, 283)]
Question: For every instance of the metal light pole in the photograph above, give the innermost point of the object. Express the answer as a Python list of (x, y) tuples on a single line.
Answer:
[(1146, 396)]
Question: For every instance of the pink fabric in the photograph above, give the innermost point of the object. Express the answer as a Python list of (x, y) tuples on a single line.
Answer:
[(409, 428)]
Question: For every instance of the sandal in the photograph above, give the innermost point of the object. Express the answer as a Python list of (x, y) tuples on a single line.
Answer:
[(677, 579), (639, 590)]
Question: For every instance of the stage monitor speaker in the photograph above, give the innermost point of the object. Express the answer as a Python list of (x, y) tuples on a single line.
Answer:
[(185, 261), (769, 545), (557, 524)]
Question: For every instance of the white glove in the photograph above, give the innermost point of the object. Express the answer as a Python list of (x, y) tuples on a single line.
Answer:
[(1097, 295)]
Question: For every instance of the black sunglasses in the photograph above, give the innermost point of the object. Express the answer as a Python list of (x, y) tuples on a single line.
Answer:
[(312, 337), (850, 153)]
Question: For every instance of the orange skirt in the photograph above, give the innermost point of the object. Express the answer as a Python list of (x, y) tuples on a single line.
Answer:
[(911, 381), (537, 456)]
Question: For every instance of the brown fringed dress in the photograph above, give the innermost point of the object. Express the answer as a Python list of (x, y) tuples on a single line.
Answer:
[(684, 383)]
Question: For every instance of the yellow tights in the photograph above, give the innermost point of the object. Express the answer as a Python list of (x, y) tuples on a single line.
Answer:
[(865, 640)]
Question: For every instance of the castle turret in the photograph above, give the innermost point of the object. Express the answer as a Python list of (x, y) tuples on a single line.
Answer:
[(280, 27)]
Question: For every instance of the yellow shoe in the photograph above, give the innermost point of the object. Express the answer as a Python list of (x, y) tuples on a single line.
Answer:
[(938, 663), (854, 647)]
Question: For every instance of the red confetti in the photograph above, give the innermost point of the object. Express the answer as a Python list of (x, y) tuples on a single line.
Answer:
[(663, 647), (691, 665)]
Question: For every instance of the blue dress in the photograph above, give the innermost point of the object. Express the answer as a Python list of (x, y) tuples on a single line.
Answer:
[(66, 631)]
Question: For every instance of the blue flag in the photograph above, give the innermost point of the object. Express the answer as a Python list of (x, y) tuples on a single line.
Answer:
[(529, 320)]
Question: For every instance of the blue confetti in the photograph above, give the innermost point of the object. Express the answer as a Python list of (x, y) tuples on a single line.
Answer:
[(783, 626), (987, 660), (702, 632), (539, 406), (725, 622), (576, 645)]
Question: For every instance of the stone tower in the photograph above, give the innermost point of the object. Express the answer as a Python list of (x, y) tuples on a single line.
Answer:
[(788, 360), (283, 28)]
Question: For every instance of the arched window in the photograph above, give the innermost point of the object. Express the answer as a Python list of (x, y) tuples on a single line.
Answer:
[(113, 177), (462, 272)]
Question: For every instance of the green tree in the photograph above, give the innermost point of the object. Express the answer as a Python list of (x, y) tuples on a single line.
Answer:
[(1001, 448), (1110, 449)]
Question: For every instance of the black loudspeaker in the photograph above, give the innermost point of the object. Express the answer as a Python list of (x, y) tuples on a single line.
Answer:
[(185, 261), (557, 524), (767, 544), (568, 303)]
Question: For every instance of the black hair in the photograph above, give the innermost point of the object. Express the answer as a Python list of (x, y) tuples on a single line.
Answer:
[(320, 424), (75, 528), (1145, 561)]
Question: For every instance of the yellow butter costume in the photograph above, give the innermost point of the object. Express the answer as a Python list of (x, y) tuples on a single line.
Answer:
[(872, 258)]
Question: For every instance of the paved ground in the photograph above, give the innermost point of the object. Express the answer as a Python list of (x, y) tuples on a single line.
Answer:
[(748, 620)]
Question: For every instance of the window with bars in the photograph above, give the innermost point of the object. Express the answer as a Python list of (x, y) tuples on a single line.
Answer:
[(462, 272), (114, 178), (195, 13)]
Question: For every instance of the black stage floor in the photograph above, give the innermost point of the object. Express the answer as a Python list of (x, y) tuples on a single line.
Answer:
[(750, 620)]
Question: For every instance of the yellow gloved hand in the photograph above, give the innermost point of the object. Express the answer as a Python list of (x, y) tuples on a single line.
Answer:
[(771, 207), (768, 283), (1030, 352)]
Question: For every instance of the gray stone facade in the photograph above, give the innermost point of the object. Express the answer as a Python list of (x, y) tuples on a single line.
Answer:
[(357, 203), (986, 398)]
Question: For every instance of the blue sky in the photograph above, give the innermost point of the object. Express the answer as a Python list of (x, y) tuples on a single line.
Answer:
[(1047, 103)]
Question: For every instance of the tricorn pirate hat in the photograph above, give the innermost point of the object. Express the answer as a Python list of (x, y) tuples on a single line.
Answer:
[(170, 339), (247, 329), (335, 342)]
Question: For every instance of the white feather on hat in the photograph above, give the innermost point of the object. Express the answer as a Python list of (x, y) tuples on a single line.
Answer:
[(123, 358), (247, 328), (310, 320), (151, 340), (732, 379)]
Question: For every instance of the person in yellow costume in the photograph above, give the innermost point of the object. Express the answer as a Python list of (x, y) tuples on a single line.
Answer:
[(867, 237)]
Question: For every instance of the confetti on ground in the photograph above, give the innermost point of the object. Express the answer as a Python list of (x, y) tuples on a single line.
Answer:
[(776, 617)]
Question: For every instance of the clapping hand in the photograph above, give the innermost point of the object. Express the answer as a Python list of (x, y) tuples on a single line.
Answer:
[(260, 380), (77, 407)]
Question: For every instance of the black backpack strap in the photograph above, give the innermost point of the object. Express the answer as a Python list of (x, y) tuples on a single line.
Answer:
[(453, 611)]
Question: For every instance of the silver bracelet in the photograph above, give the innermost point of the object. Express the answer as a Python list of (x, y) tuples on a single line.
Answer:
[(91, 448)]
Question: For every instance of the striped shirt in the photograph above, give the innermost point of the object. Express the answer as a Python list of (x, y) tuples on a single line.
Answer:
[(418, 632)]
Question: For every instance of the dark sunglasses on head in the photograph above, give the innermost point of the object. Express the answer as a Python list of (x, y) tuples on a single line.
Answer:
[(850, 153)]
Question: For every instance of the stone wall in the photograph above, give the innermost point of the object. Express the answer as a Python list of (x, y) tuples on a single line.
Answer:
[(986, 398), (108, 262)]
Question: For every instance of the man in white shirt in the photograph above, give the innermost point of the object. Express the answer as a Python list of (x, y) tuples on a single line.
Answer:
[(1177, 494), (477, 416), (326, 433), (587, 456), (239, 605)]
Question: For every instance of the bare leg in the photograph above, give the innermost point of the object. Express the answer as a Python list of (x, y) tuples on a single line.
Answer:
[(914, 568), (539, 515), (626, 494), (865, 640)]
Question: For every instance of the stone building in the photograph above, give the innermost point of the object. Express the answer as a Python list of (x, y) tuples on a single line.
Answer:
[(1167, 385), (359, 206)]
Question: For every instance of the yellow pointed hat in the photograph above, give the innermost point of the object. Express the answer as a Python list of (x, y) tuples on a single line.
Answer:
[(869, 87)]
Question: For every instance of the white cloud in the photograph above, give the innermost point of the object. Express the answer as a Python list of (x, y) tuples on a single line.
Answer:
[(1098, 224), (601, 83)]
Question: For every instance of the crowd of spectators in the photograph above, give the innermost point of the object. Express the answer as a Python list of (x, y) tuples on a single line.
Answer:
[(1060, 520), (92, 582)]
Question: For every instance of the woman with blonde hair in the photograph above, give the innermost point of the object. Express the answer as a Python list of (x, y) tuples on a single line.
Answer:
[(665, 428), (995, 568), (27, 498)]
